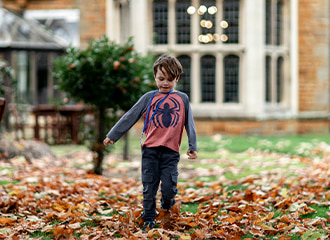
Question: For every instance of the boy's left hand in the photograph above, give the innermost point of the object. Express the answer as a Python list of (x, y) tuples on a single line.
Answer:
[(108, 141), (192, 154)]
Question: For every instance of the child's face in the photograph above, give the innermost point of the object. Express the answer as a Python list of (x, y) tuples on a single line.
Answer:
[(164, 82)]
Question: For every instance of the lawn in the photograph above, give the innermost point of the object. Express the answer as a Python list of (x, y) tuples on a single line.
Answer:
[(248, 187), (213, 146)]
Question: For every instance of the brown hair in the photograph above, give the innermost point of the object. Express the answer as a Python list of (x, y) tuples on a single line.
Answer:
[(171, 65)]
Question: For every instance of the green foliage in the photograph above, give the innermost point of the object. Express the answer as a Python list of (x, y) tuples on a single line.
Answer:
[(105, 74), (108, 76)]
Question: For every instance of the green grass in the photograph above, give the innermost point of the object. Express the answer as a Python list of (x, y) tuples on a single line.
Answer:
[(321, 212), (291, 144), (235, 187), (61, 150), (190, 207), (227, 150), (215, 146), (44, 236), (5, 182)]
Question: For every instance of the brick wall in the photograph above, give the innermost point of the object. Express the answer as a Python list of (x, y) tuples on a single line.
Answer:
[(92, 13), (270, 127), (314, 74)]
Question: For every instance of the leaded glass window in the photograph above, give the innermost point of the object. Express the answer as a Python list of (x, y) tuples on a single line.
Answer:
[(208, 78), (268, 16), (160, 21), (279, 79), (279, 7), (42, 76), (231, 79), (207, 12), (182, 21), (274, 22), (231, 20), (184, 82), (268, 84)]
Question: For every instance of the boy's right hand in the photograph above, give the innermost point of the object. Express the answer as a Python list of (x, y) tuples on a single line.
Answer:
[(192, 154), (108, 141)]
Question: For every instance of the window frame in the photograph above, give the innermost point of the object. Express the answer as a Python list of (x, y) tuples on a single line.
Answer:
[(182, 22), (237, 80), (210, 81), (165, 41), (196, 51)]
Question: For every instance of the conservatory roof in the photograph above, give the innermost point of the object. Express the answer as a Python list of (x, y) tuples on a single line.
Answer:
[(19, 33)]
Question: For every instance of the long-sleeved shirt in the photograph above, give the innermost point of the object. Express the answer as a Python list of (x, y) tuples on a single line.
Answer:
[(166, 127)]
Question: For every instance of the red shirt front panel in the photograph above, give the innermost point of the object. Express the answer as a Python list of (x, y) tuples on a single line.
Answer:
[(166, 127)]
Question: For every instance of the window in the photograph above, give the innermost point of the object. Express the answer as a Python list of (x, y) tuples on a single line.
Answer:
[(230, 24), (160, 17), (64, 23), (124, 21), (231, 79), (195, 36), (279, 17), (268, 79), (207, 14), (274, 22), (208, 78), (274, 86), (268, 21), (182, 22), (184, 82), (274, 65), (279, 79), (42, 77)]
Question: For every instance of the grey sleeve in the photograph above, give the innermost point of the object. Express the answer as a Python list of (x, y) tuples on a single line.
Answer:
[(129, 118), (189, 123)]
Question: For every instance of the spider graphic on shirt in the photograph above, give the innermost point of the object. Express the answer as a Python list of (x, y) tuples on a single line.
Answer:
[(166, 116)]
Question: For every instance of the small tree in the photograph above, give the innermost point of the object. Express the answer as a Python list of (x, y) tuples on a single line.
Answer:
[(8, 85), (106, 75)]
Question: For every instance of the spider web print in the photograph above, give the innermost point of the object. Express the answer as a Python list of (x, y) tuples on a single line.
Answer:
[(166, 116)]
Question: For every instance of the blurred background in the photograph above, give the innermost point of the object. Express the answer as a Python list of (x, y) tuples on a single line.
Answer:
[(250, 66)]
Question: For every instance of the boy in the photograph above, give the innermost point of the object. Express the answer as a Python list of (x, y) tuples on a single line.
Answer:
[(166, 112)]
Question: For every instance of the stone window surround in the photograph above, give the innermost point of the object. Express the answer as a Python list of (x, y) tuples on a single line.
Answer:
[(244, 108)]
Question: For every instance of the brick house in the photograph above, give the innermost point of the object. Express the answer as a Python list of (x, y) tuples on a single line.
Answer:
[(250, 66)]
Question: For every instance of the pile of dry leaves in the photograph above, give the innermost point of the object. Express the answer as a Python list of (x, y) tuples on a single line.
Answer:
[(55, 198)]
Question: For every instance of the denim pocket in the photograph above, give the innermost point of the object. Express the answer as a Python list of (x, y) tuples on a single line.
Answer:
[(147, 178), (175, 177)]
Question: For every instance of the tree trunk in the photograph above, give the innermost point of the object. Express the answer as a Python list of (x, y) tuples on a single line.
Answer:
[(99, 144), (2, 107), (126, 146)]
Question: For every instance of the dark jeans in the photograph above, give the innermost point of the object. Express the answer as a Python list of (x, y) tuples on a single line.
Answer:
[(158, 164)]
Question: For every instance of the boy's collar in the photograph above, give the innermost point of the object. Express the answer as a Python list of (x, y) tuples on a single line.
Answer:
[(172, 91)]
